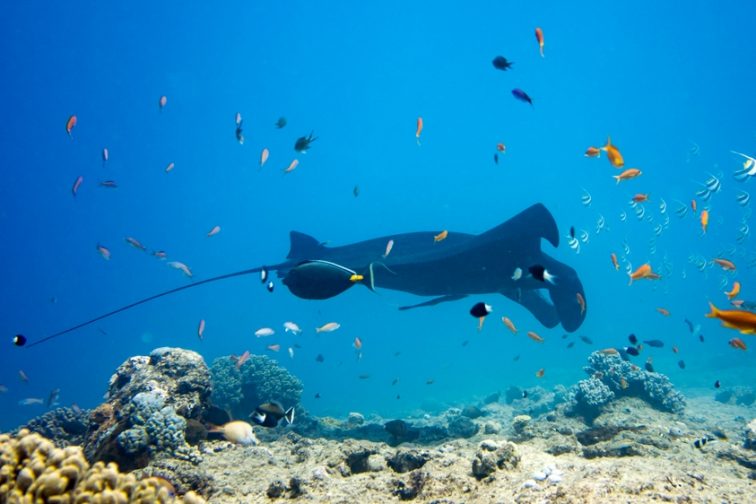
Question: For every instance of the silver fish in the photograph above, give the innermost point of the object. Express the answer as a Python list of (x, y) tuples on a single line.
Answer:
[(584, 237), (658, 230), (623, 216), (574, 244), (749, 164), (517, 274), (666, 221), (682, 210), (713, 183), (31, 401), (628, 267), (704, 194), (601, 224), (626, 248), (663, 206), (640, 212), (743, 198), (723, 281), (586, 198)]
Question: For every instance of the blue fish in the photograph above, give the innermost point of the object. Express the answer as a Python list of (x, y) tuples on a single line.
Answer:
[(522, 96)]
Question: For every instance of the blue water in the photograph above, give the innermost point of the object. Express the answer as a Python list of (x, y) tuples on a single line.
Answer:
[(671, 83)]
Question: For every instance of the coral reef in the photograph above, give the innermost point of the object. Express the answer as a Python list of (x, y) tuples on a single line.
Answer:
[(34, 470), (63, 426), (260, 379), (612, 378)]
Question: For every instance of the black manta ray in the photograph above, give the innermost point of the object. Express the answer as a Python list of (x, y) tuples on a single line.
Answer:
[(460, 265)]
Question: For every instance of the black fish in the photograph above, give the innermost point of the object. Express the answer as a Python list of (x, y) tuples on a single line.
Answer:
[(303, 143), (280, 123), (496, 157), (654, 343), (239, 134), (565, 336), (394, 381), (522, 96), (319, 358), (466, 342), (586, 340), (632, 351), (572, 232), (516, 358), (650, 365), (356, 191), (700, 443), (540, 273), (317, 395), (426, 268), (524, 394), (570, 344), (690, 325), (501, 63), (268, 414), (19, 340), (270, 286), (480, 310), (701, 338), (633, 339), (717, 384), (681, 363)]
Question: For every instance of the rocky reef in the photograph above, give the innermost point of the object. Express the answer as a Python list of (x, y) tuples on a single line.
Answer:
[(240, 389), (610, 378)]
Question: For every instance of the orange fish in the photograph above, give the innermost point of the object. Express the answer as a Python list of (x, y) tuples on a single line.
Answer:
[(704, 220), (693, 205), (162, 102), (613, 153), (357, 342), (441, 236), (735, 290), (643, 272), (726, 264), (663, 311), (501, 147), (540, 373), (419, 130), (535, 337), (274, 347), (201, 328), (609, 351), (170, 167), (640, 197), (742, 320), (70, 125), (738, 343), (214, 231), (76, 185), (615, 263), (291, 166), (539, 38), (581, 302), (627, 174), (593, 152), (509, 324), (242, 359), (389, 246), (264, 156)]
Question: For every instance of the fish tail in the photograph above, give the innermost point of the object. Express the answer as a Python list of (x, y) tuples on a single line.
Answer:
[(617, 178), (289, 415), (630, 275), (714, 311)]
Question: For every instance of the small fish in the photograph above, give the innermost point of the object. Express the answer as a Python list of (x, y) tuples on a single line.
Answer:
[(632, 351), (542, 274), (237, 432), (274, 347), (319, 358), (270, 413), (329, 327), (662, 206), (601, 224), (201, 329), (264, 155), (623, 383), (270, 286), (110, 184), (357, 343), (584, 236), (592, 152), (292, 166), (105, 155), (675, 349), (181, 267), (524, 394), (292, 328), (639, 198), (242, 359), (717, 384), (654, 343), (586, 198), (725, 264), (586, 340), (535, 337), (24, 378), (70, 123), (239, 133), (501, 147), (737, 343), (734, 291), (510, 325), (238, 119), (264, 332), (540, 373), (570, 344), (19, 340), (135, 243), (681, 364), (522, 96), (517, 274), (480, 311), (104, 252), (430, 381), (623, 216), (615, 263), (628, 174), (701, 338), (263, 275), (170, 167), (663, 311), (76, 185), (418, 130), (713, 184), (496, 157), (633, 339), (389, 246), (214, 231), (501, 63), (643, 272), (650, 365), (291, 352), (162, 102), (53, 397), (704, 220), (574, 244), (539, 38), (441, 236), (160, 254), (581, 303), (356, 191), (280, 123), (31, 401), (693, 205), (613, 154)]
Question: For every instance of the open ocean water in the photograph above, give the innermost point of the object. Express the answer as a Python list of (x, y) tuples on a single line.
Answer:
[(670, 82)]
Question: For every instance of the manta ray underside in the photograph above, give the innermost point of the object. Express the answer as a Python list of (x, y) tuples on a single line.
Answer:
[(450, 269)]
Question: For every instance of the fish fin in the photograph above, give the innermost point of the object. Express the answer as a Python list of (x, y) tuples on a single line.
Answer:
[(617, 178), (303, 246), (713, 313), (435, 301), (289, 415)]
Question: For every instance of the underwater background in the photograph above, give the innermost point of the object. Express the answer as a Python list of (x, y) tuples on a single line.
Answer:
[(672, 84)]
